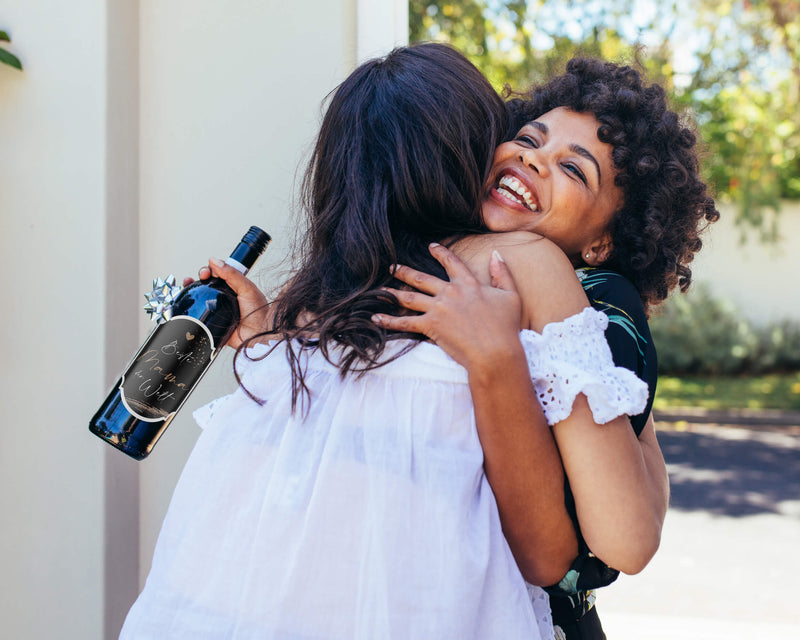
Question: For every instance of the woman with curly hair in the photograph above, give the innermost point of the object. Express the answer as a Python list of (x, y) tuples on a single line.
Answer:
[(656, 231), (601, 167)]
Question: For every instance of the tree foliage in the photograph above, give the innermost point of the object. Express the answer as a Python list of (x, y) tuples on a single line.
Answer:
[(734, 65), (6, 57)]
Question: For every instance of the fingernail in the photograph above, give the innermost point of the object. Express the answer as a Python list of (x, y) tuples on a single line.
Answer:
[(434, 244), (498, 256), (216, 262), (376, 319)]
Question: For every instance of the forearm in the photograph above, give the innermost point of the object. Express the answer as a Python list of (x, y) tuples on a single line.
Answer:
[(656, 469), (619, 486), (523, 464), (523, 467)]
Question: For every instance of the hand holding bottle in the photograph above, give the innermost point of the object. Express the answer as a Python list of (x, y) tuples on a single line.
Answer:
[(253, 304), (204, 316)]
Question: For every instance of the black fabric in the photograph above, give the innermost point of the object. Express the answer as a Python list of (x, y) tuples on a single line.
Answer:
[(576, 627)]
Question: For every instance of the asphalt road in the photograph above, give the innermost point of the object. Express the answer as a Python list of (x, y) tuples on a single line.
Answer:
[(729, 561)]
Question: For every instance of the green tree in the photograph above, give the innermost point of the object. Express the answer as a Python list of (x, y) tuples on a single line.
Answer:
[(735, 64)]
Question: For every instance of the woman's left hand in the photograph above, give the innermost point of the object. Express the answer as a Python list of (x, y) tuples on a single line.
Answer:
[(474, 323)]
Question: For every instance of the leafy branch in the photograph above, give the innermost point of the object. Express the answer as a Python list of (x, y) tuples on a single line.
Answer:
[(6, 57)]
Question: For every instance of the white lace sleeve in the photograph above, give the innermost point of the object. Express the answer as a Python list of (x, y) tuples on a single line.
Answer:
[(572, 357)]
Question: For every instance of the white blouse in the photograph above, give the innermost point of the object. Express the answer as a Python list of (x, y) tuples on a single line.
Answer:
[(367, 517)]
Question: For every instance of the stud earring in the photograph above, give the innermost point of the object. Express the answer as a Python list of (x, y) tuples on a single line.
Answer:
[(587, 256)]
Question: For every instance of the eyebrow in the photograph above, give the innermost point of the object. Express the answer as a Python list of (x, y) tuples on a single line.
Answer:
[(575, 148)]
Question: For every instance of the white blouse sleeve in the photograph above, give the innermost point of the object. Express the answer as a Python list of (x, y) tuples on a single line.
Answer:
[(572, 357)]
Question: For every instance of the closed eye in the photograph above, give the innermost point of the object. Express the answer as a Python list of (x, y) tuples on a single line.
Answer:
[(527, 140), (530, 133), (576, 171)]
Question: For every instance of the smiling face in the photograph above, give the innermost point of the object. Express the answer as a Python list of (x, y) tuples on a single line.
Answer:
[(556, 178)]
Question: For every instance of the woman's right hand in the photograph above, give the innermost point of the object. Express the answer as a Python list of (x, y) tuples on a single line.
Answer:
[(472, 322), (253, 305)]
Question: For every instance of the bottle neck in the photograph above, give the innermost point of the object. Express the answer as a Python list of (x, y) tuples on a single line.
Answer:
[(237, 265), (249, 248)]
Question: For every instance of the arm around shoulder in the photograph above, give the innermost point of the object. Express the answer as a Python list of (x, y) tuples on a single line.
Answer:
[(521, 459)]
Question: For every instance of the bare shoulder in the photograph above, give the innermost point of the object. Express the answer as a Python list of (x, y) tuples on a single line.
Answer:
[(488, 242), (521, 250), (524, 250), (543, 275)]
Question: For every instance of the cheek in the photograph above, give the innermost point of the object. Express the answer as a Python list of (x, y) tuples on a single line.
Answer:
[(614, 199), (503, 153), (571, 202), (608, 207)]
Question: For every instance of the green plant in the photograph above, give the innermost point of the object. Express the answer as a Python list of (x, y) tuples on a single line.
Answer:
[(699, 334), (779, 391), (778, 348), (6, 57)]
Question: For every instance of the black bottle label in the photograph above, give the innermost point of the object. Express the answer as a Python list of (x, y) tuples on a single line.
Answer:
[(167, 368)]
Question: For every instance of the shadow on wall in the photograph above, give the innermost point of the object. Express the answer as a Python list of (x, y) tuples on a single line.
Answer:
[(733, 472)]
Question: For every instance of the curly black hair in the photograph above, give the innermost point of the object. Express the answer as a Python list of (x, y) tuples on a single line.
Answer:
[(667, 206)]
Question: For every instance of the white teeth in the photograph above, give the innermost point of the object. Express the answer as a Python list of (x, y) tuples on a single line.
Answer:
[(514, 186)]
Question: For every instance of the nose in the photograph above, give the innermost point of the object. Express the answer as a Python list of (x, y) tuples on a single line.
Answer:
[(534, 159)]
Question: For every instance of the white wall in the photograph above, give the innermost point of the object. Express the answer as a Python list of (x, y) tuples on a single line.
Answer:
[(52, 150), (143, 137), (759, 279), (230, 100)]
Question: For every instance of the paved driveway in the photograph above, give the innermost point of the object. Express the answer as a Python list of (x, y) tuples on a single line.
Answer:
[(729, 562)]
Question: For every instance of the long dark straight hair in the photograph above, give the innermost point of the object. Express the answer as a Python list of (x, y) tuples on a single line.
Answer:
[(401, 160)]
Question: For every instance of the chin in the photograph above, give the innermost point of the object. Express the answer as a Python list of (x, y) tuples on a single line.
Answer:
[(498, 221)]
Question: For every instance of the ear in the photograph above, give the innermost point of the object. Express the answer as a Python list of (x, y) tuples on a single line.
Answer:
[(597, 252)]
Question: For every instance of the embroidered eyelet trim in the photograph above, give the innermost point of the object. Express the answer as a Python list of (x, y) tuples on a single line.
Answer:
[(572, 357)]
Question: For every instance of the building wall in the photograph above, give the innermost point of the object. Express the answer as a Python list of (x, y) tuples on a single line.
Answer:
[(230, 100), (52, 212), (143, 137), (230, 105), (759, 279)]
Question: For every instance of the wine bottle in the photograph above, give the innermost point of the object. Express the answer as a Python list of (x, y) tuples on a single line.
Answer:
[(172, 360)]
